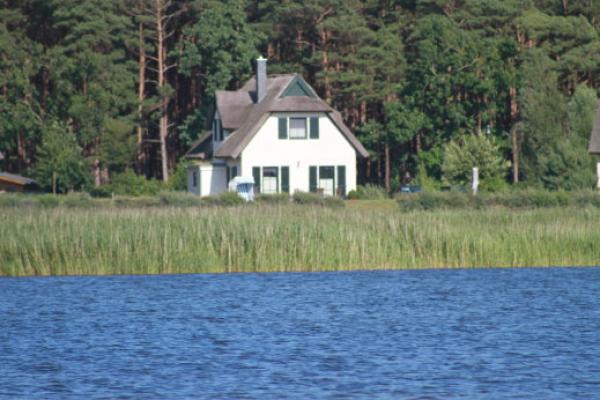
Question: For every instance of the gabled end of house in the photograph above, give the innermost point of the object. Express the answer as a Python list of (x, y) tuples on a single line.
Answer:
[(278, 131)]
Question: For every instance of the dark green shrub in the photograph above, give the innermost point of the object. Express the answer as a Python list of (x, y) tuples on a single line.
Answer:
[(133, 202), (178, 178), (317, 199), (531, 198), (434, 201), (180, 199), (103, 191), (586, 198), (369, 192), (225, 199), (48, 200), (129, 183), (278, 198), (352, 195), (409, 201), (76, 200)]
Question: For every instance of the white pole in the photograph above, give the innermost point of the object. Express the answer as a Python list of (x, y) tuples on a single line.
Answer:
[(475, 180)]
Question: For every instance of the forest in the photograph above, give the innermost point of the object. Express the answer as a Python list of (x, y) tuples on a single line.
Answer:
[(94, 90)]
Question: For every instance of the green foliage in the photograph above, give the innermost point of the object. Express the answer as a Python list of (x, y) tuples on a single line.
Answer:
[(130, 184), (225, 199), (179, 199), (426, 182), (408, 77), (76, 200), (269, 199), (433, 200), (178, 179), (60, 161), (555, 131), (368, 192), (315, 199), (461, 156), (117, 146), (510, 199)]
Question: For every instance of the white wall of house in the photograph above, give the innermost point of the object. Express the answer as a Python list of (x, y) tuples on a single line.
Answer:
[(210, 179), (330, 149)]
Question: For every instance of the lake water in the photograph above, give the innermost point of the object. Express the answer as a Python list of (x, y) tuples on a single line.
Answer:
[(441, 334)]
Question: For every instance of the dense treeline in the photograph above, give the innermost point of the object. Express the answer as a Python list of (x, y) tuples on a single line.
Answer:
[(93, 88)]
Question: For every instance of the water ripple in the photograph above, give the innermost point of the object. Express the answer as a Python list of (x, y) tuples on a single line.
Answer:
[(468, 334)]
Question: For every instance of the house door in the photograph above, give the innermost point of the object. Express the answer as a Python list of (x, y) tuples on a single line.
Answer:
[(269, 180), (327, 180)]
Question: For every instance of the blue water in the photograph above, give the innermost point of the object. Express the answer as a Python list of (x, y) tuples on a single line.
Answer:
[(468, 334)]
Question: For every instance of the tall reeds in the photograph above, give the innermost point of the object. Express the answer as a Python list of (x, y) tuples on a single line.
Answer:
[(82, 241)]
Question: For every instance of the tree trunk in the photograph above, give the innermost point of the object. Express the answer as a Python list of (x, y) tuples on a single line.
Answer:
[(388, 171), (141, 96), (164, 118), (514, 112), (379, 175), (97, 173), (45, 90), (21, 152), (515, 154), (325, 66), (54, 182)]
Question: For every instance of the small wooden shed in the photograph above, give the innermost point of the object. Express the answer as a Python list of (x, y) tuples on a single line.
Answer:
[(15, 183)]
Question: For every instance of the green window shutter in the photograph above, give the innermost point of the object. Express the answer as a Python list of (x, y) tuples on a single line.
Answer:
[(234, 172), (314, 127), (228, 174), (285, 179), (341, 172), (283, 129), (256, 175), (312, 179)]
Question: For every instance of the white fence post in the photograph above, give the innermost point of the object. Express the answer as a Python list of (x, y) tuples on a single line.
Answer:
[(475, 181)]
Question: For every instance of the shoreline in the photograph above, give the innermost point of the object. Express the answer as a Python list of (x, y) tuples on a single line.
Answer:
[(322, 271)]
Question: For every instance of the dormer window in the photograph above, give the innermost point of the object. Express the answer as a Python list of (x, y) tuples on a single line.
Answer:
[(297, 128), (217, 130)]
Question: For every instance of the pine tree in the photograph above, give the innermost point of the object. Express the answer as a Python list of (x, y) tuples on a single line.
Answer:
[(93, 76), (218, 50)]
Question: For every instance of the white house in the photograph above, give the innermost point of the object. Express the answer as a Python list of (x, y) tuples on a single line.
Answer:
[(278, 131)]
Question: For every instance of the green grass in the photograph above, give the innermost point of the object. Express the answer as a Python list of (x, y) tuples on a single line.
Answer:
[(97, 241)]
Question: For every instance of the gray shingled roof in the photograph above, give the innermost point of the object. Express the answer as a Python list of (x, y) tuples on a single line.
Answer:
[(594, 146), (233, 107), (201, 148), (239, 113)]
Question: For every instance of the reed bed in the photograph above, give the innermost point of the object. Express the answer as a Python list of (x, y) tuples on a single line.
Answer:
[(65, 241)]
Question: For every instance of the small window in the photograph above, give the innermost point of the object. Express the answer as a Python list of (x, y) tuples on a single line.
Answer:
[(297, 128), (195, 179), (269, 180)]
